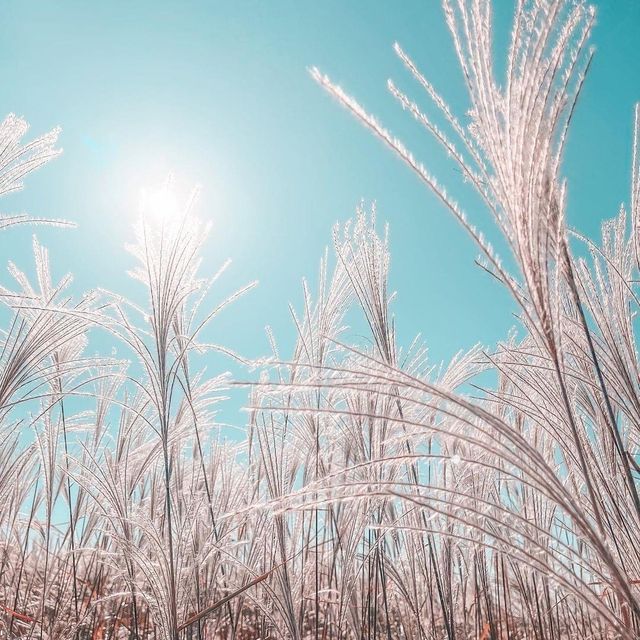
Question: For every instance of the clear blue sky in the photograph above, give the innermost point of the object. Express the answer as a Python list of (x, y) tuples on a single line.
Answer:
[(218, 93)]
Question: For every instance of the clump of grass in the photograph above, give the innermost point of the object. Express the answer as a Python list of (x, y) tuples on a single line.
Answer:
[(376, 495), (556, 440)]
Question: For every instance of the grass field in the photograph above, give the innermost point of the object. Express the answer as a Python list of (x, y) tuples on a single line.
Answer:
[(375, 496)]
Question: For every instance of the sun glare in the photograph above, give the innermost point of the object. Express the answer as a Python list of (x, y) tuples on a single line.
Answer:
[(159, 206)]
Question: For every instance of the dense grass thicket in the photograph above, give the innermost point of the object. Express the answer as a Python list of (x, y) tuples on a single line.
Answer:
[(375, 496)]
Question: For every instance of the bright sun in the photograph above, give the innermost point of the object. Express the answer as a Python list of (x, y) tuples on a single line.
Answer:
[(159, 205)]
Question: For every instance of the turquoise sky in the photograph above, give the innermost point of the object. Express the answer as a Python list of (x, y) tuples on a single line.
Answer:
[(219, 93)]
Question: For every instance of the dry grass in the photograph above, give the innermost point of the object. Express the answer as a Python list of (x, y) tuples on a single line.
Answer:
[(375, 496)]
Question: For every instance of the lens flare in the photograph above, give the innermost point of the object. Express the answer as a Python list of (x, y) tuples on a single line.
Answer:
[(160, 206)]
